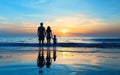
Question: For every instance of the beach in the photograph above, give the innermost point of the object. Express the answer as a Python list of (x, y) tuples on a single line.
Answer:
[(71, 56), (24, 62)]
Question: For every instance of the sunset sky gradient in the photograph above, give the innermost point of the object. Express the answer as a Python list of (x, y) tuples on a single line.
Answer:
[(66, 17)]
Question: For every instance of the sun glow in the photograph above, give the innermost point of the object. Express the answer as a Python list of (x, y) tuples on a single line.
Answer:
[(64, 31)]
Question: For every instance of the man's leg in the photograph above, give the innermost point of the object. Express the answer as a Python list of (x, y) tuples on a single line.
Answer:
[(42, 41), (39, 41)]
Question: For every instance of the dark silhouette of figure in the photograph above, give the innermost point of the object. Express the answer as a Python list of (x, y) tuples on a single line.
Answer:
[(54, 41), (48, 34), (48, 58), (40, 59), (54, 53), (41, 33)]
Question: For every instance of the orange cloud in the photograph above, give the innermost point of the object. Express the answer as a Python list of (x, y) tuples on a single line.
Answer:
[(66, 26)]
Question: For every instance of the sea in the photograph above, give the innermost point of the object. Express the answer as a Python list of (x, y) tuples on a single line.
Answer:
[(74, 40), (69, 39)]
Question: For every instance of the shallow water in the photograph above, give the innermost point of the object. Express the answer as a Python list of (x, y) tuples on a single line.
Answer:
[(22, 60), (16, 62)]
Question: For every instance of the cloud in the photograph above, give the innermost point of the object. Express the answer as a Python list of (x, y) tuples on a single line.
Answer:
[(83, 24), (29, 3), (75, 24), (3, 18), (34, 3), (39, 1), (76, 21), (13, 28)]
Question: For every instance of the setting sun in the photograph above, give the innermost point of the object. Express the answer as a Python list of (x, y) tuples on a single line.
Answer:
[(64, 31)]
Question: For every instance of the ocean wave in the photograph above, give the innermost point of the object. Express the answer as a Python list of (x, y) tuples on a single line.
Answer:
[(58, 50), (97, 45)]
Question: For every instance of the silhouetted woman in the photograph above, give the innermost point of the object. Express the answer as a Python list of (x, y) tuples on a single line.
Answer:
[(48, 34)]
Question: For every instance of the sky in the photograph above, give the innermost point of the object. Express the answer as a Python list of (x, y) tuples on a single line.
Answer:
[(65, 17)]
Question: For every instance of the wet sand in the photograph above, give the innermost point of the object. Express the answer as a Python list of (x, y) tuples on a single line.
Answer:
[(67, 63)]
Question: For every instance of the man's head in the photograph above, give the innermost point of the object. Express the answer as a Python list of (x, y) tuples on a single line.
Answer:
[(41, 24)]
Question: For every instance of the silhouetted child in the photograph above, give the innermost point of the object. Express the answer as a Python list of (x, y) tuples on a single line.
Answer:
[(54, 53), (54, 40)]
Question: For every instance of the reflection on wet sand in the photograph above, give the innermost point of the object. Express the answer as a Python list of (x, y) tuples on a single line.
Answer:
[(42, 60), (67, 63), (54, 54)]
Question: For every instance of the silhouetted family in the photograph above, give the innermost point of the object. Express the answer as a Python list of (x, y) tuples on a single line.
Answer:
[(41, 60), (42, 33)]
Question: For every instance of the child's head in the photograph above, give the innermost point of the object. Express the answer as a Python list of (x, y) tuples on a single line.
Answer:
[(54, 36)]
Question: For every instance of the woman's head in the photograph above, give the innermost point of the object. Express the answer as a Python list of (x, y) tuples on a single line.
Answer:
[(48, 28)]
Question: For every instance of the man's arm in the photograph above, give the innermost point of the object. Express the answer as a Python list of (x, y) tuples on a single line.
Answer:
[(38, 31)]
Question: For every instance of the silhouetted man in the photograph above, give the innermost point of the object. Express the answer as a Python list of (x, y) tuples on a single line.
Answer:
[(41, 33), (41, 60)]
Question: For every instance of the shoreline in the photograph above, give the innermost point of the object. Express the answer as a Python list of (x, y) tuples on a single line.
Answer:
[(90, 45)]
